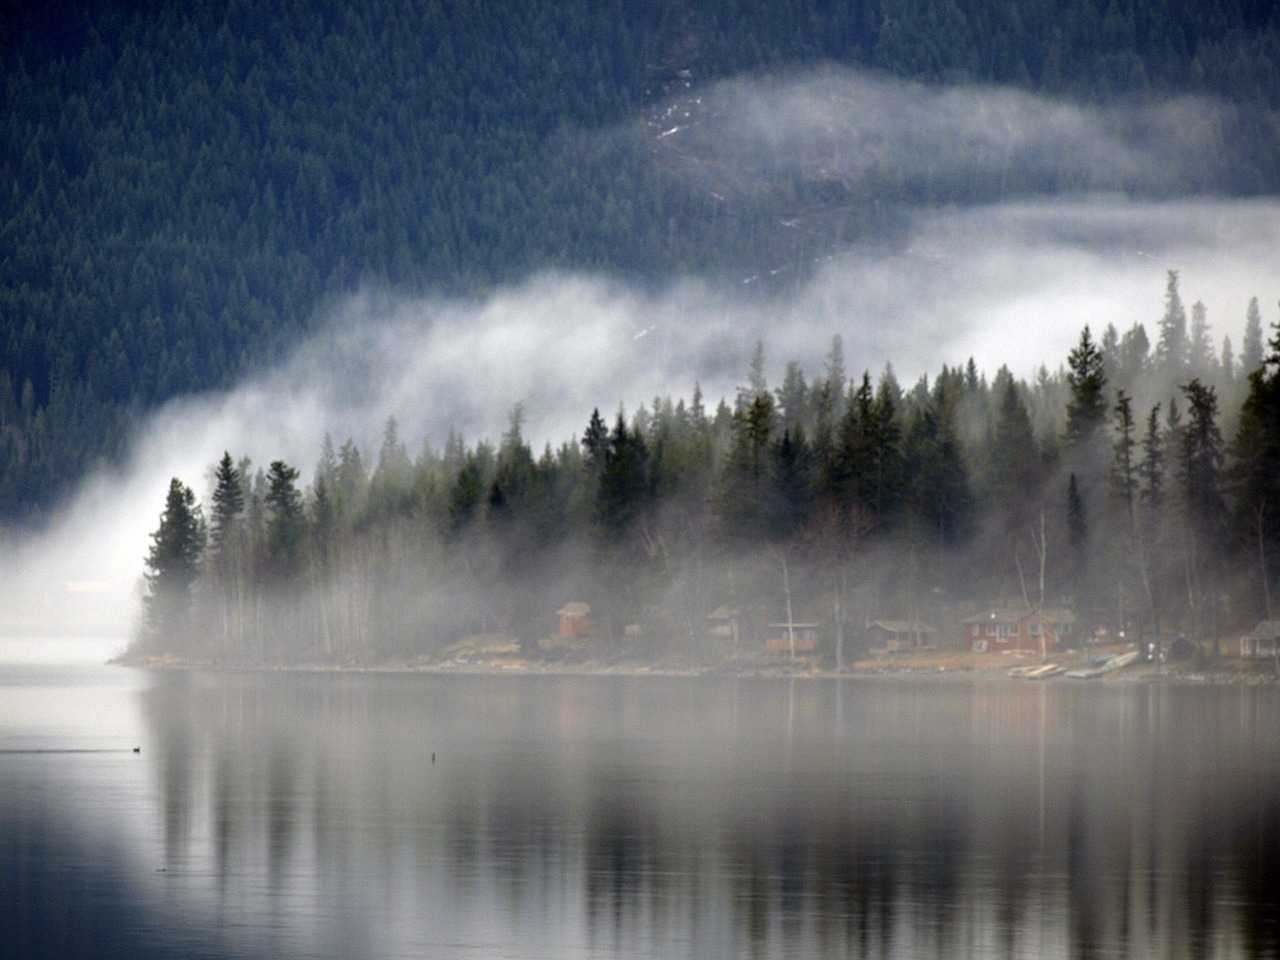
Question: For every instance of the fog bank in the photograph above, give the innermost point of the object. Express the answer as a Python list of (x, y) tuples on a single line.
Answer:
[(1006, 283)]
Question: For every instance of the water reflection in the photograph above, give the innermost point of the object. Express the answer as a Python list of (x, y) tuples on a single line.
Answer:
[(498, 816), (647, 817)]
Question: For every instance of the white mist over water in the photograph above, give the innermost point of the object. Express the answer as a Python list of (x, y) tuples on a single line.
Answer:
[(1008, 284)]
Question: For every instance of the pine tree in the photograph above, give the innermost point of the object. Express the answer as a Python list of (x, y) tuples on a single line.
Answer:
[(793, 398), (1173, 350), (1200, 467), (228, 503), (1077, 536), (1086, 376), (748, 476), (595, 444), (1251, 352), (229, 556), (1125, 486), (941, 492), (1255, 479), (1199, 347), (757, 382), (1077, 521), (172, 566), (465, 496), (286, 524), (623, 482), (887, 456), (1151, 468), (836, 378), (1014, 466), (793, 472), (392, 476), (352, 481), (1203, 517), (1124, 481)]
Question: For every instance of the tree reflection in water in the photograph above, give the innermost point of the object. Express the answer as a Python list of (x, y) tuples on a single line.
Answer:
[(727, 817)]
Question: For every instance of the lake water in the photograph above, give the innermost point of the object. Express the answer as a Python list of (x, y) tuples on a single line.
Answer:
[(346, 815)]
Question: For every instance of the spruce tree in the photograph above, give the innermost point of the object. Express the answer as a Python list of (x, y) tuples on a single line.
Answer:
[(172, 566), (1077, 520), (1086, 376), (595, 444), (1251, 351), (623, 483), (1199, 465), (1014, 464), (1173, 349), (1255, 479), (286, 524), (228, 503), (748, 475)]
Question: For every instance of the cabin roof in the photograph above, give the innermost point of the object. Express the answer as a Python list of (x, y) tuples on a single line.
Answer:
[(903, 626), (1018, 614)]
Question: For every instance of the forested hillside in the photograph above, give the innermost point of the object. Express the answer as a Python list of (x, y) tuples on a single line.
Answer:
[(185, 185), (1141, 488)]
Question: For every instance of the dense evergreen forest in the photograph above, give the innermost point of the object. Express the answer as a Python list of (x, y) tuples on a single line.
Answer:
[(1140, 488), (185, 185)]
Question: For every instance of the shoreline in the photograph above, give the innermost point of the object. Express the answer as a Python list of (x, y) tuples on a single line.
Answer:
[(946, 666)]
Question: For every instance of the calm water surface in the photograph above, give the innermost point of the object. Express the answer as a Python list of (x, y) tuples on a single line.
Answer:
[(308, 815)]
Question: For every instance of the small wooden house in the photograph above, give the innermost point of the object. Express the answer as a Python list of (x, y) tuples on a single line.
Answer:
[(745, 626), (723, 623), (575, 619), (786, 638), (1262, 641), (1001, 629), (896, 635)]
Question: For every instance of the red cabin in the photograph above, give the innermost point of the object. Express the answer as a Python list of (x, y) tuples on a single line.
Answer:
[(1009, 629), (575, 620)]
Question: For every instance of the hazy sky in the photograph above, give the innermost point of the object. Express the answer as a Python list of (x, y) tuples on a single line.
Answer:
[(1006, 284)]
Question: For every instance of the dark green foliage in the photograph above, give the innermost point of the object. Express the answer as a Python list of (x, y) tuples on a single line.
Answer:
[(1151, 469), (749, 471), (1014, 456), (623, 485), (1173, 349), (1124, 481), (595, 444), (672, 513), (1255, 478), (286, 530), (185, 183), (465, 495), (940, 492), (1087, 378), (1077, 520), (1200, 463), (228, 502), (1251, 355), (793, 495), (173, 563)]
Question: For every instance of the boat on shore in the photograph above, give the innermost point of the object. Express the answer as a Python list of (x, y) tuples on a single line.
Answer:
[(1037, 672), (1110, 665)]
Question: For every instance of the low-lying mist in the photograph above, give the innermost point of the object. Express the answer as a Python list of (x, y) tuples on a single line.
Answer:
[(1006, 283), (853, 129)]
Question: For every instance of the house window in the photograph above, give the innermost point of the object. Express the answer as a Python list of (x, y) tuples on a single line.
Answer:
[(1036, 629), (1003, 633), (991, 629)]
